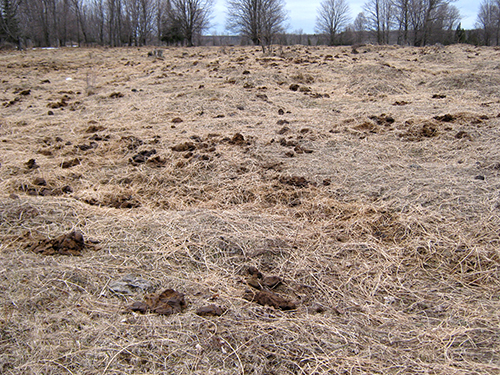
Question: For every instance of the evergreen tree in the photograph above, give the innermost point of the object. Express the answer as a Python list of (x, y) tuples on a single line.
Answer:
[(460, 36)]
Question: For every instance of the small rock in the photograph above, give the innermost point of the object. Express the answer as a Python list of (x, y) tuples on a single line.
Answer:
[(479, 177), (294, 87), (177, 120), (130, 284)]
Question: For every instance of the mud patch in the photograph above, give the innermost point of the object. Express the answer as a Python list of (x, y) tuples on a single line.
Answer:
[(166, 303), (210, 310), (268, 298), (66, 244)]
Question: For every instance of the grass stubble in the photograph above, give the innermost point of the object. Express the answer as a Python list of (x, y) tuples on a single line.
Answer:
[(371, 189)]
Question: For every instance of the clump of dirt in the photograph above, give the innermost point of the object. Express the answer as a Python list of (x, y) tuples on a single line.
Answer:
[(297, 181), (120, 200), (418, 132), (63, 102), (238, 140), (94, 128), (210, 310), (40, 188), (167, 302), (66, 244), (183, 147), (31, 164), (142, 157), (445, 118), (258, 281), (383, 120), (115, 95), (268, 298), (70, 163)]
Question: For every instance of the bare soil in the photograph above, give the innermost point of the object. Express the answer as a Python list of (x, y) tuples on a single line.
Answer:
[(220, 211)]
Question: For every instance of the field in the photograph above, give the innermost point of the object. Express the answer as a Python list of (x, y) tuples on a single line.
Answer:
[(216, 210)]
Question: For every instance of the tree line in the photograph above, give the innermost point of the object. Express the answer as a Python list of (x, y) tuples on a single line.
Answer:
[(260, 22)]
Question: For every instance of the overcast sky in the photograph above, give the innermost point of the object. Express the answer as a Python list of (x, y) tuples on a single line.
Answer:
[(302, 14)]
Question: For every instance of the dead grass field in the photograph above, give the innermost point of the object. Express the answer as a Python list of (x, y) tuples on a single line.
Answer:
[(367, 181)]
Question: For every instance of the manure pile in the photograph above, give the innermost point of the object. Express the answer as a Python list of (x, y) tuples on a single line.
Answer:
[(220, 211)]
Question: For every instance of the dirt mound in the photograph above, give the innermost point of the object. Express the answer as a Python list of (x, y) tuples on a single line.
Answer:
[(165, 303), (66, 244)]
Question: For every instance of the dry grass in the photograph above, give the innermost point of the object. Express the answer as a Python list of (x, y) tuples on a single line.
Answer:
[(380, 213)]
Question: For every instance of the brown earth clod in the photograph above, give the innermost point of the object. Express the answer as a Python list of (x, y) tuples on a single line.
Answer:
[(167, 302), (210, 310), (267, 298), (66, 244)]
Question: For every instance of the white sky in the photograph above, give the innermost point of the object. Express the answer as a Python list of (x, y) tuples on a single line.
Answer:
[(302, 14)]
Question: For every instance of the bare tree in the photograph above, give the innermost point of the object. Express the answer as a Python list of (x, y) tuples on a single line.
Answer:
[(446, 19), (380, 17), (114, 20), (360, 27), (402, 19), (421, 22), (81, 19), (333, 16), (139, 21), (191, 17), (258, 20), (488, 20)]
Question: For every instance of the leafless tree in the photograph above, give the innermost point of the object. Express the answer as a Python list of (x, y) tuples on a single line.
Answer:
[(424, 16), (139, 21), (192, 17), (360, 27), (333, 16), (380, 17), (488, 20), (258, 20)]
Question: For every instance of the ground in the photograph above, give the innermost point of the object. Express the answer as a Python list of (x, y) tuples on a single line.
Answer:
[(219, 211)]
